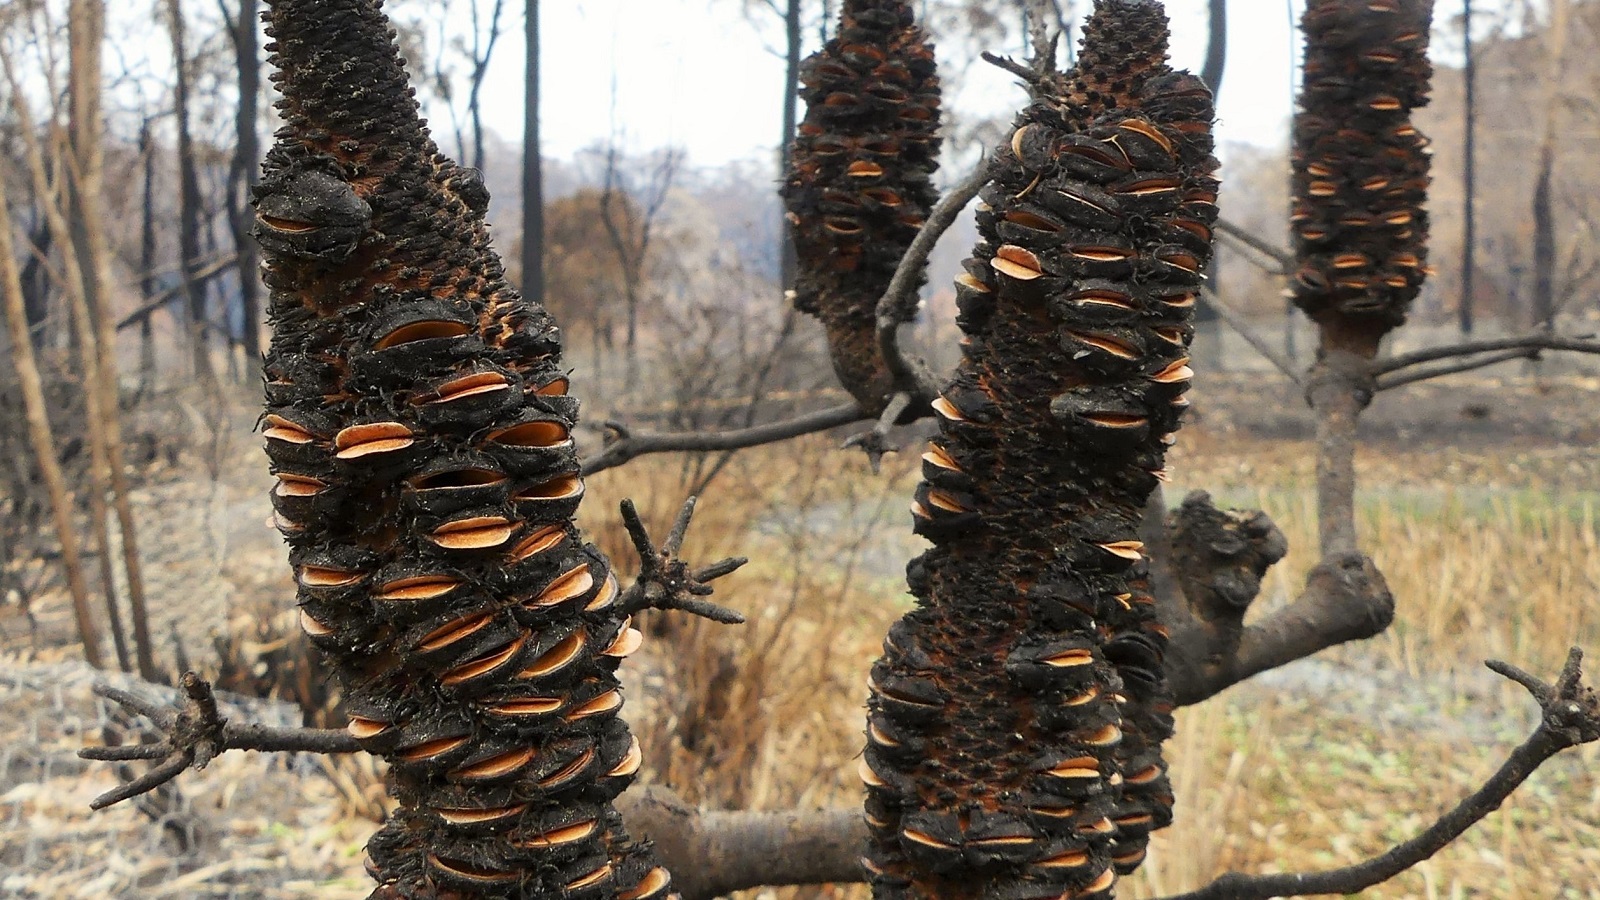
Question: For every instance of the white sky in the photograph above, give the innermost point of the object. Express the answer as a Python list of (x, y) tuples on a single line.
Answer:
[(698, 74)]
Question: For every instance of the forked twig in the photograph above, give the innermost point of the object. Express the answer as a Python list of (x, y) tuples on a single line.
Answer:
[(195, 734), (875, 441), (1571, 716), (666, 582)]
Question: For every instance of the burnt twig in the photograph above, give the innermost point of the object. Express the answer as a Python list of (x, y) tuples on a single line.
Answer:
[(666, 582), (1571, 716), (629, 445), (195, 734), (1236, 320), (908, 276), (1400, 380), (876, 441), (1282, 258), (1532, 343)]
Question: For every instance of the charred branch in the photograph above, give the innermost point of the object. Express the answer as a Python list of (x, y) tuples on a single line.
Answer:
[(1531, 344), (625, 445), (194, 734), (666, 582), (1571, 716)]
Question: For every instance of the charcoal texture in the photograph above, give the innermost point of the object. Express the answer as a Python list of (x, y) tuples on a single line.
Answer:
[(1360, 177), (1016, 718), (859, 186), (419, 426)]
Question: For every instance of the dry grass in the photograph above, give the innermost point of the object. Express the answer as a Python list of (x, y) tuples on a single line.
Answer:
[(1317, 767)]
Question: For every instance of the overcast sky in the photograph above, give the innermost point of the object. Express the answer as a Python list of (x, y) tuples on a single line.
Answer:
[(698, 74)]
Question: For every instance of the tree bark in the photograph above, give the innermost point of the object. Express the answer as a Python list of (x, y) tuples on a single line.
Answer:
[(788, 263), (246, 172), (89, 223), (532, 165), (43, 442), (189, 202), (1469, 171)]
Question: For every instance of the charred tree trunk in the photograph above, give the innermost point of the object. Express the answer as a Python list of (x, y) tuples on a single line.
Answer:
[(420, 429), (42, 440), (859, 184), (1017, 716), (1469, 170), (532, 166), (788, 264), (189, 203), (243, 174), (99, 333)]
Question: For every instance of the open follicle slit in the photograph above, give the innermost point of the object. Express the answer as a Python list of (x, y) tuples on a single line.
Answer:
[(417, 587), (287, 430), (631, 761), (422, 331), (476, 533), (568, 772), (1175, 373), (610, 701), (555, 659), (575, 582), (540, 434), (366, 440), (628, 641), (459, 630), (430, 750), (564, 487), (291, 484), (560, 837), (540, 541), (500, 766), (486, 664), (464, 386), (480, 816), (938, 456), (328, 577), (1105, 343), (1017, 262), (469, 873)]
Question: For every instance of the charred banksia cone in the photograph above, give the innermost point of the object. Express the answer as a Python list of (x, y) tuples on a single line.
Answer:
[(420, 430), (1360, 166), (1016, 717), (859, 182)]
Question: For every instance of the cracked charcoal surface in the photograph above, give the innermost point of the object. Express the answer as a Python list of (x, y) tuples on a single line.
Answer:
[(1360, 168), (1016, 718), (419, 426), (859, 184)]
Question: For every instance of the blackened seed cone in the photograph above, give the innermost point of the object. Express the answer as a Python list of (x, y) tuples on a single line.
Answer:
[(1016, 718), (421, 434), (858, 186)]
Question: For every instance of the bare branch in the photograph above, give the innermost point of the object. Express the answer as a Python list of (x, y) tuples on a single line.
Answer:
[(1482, 362), (1235, 320), (875, 441), (629, 445), (909, 274), (666, 582), (1571, 716), (712, 853), (197, 733), (1283, 258), (1533, 343)]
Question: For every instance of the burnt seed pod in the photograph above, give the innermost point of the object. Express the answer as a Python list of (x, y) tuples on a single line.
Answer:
[(1360, 168), (858, 185), (420, 435), (1076, 304)]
